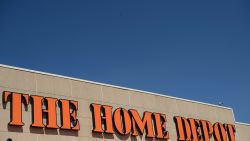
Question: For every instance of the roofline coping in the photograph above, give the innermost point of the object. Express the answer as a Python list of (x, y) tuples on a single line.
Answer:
[(114, 86), (242, 123)]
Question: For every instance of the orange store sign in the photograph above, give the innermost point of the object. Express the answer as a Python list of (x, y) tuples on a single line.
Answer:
[(111, 121), (154, 124), (37, 102)]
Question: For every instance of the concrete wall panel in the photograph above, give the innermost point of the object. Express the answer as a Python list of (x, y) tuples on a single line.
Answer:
[(35, 83)]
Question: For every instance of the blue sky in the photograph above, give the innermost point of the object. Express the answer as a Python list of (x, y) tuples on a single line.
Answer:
[(199, 50)]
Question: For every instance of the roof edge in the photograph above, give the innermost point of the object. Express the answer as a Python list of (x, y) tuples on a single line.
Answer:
[(114, 86), (242, 123)]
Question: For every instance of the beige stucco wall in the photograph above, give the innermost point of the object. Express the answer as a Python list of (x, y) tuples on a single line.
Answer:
[(243, 131), (86, 93)]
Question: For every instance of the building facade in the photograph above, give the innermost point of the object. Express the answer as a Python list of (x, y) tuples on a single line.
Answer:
[(37, 106)]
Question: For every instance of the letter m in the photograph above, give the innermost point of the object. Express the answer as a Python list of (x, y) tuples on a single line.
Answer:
[(142, 124)]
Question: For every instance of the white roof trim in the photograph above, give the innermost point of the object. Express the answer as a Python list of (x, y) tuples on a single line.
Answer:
[(109, 85), (241, 123)]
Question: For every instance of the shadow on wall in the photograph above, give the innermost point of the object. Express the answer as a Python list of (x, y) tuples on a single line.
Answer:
[(123, 137), (43, 131)]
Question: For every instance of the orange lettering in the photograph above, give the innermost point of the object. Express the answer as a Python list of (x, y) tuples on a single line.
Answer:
[(231, 131), (146, 122), (207, 129), (76, 124), (123, 127), (184, 132), (16, 106), (219, 132), (107, 117), (38, 111), (68, 116), (160, 125), (195, 129)]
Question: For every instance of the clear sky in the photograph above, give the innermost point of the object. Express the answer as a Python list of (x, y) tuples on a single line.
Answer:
[(199, 50)]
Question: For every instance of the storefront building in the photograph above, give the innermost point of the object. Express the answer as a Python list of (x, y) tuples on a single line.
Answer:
[(38, 106)]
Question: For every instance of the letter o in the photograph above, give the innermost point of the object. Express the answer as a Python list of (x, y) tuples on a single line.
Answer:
[(122, 121), (219, 132)]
